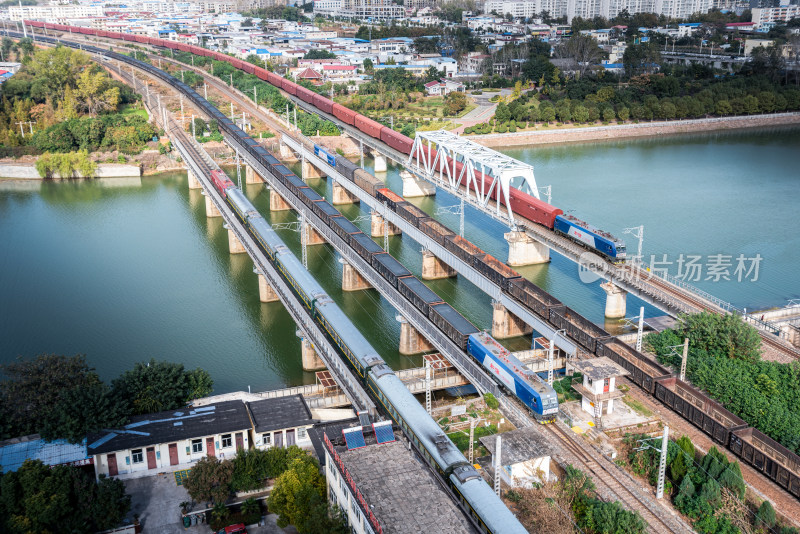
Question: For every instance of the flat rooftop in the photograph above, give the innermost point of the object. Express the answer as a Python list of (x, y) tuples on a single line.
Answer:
[(400, 490), (600, 368), (519, 445)]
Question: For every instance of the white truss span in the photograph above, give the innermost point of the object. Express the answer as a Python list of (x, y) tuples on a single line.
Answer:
[(448, 148)]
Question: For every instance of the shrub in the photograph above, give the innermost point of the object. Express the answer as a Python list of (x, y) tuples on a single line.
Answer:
[(68, 165), (491, 401)]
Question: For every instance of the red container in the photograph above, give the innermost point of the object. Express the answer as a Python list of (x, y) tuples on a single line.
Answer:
[(261, 73), (368, 126), (306, 95), (344, 114), (274, 79), (289, 86), (323, 103), (396, 140)]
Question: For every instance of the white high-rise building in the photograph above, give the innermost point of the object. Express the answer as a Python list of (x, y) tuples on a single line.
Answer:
[(54, 13), (593, 8)]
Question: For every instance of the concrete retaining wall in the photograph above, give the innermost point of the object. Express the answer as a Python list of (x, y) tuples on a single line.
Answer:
[(104, 170), (593, 133)]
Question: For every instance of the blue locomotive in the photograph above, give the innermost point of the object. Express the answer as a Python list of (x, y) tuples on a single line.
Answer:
[(525, 384), (584, 233)]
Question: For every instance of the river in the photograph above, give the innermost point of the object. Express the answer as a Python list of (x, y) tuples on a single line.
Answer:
[(125, 270)]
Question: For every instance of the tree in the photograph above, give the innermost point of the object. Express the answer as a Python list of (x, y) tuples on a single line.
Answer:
[(584, 50), (502, 113), (455, 102), (580, 114), (34, 388), (548, 114), (766, 515), (623, 113), (156, 386), (94, 92), (640, 58), (210, 480), (38, 498), (427, 45), (252, 467), (292, 495), (368, 66), (82, 410), (609, 115), (54, 70), (318, 53)]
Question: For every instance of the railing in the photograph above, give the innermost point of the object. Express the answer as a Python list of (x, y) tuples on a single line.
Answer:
[(356, 492)]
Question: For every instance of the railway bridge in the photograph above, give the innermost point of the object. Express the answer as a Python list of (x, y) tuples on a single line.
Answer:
[(529, 242)]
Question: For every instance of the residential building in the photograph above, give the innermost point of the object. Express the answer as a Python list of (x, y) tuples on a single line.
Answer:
[(525, 456), (766, 15), (282, 421), (598, 389), (473, 62), (55, 13), (443, 87), (171, 440), (380, 484), (374, 10), (589, 9), (338, 73), (752, 44), (308, 74)]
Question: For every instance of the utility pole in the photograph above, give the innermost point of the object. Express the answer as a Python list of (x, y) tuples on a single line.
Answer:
[(205, 91), (497, 465), (662, 466), (21, 130), (362, 153), (428, 386), (638, 233), (550, 351), (182, 77), (461, 221), (303, 239), (238, 170), (233, 118), (385, 228), (231, 79), (255, 96), (684, 358), (640, 330), (471, 439), (194, 130)]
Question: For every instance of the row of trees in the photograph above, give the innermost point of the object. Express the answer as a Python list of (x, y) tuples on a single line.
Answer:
[(61, 397), (724, 360), (298, 496), (651, 97), (707, 488), (40, 498), (543, 508)]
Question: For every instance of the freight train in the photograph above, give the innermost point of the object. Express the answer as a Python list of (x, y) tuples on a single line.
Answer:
[(767, 456), (522, 204)]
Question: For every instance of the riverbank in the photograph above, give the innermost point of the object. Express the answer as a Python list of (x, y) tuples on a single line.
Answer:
[(546, 135), (27, 171)]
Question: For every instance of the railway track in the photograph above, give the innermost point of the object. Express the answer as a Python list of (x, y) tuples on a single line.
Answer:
[(607, 475), (703, 305)]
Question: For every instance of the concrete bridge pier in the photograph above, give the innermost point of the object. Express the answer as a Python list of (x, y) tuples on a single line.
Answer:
[(352, 279), (524, 250), (309, 172), (616, 298), (234, 245), (276, 202), (505, 324), (411, 341), (342, 195), (211, 208), (415, 187), (435, 269), (312, 236), (194, 183), (265, 291), (287, 154), (311, 362), (376, 228), (251, 176), (380, 163)]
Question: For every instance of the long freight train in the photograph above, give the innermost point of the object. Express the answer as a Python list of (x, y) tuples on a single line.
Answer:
[(772, 459)]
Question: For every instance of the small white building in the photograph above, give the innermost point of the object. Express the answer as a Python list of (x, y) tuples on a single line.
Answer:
[(598, 389), (171, 441), (281, 422), (525, 456)]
